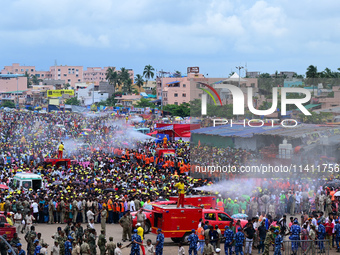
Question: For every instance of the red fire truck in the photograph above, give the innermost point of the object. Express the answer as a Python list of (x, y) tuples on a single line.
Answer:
[(6, 228), (57, 162), (197, 200), (177, 223)]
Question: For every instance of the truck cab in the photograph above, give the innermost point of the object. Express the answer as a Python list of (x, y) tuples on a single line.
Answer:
[(27, 181), (6, 228)]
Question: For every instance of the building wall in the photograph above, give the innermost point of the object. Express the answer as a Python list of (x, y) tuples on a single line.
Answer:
[(97, 74), (10, 84), (329, 102), (71, 74)]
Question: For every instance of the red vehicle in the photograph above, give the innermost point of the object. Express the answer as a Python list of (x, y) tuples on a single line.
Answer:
[(177, 223), (147, 209), (57, 162), (166, 152), (5, 228), (199, 201)]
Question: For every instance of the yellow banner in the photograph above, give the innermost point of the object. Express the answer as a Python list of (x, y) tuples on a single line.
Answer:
[(59, 93)]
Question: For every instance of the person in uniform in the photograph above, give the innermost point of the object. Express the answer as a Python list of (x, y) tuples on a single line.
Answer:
[(30, 237), (193, 240), (111, 246), (103, 215), (295, 231), (62, 212), (268, 240), (102, 242), (51, 209), (125, 223), (79, 232), (85, 248), (15, 240), (321, 235), (141, 217), (61, 241), (159, 242), (337, 234), (229, 238), (239, 240), (75, 210), (76, 248), (68, 245), (312, 237), (20, 250), (18, 221), (136, 242), (278, 243), (61, 150), (92, 241)]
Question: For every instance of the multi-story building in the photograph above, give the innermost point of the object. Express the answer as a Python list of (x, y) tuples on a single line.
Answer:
[(88, 95), (18, 69), (71, 74), (98, 74)]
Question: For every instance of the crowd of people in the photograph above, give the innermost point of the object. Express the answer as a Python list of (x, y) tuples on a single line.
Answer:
[(115, 170)]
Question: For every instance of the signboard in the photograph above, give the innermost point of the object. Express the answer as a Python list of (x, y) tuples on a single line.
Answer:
[(194, 69), (59, 93)]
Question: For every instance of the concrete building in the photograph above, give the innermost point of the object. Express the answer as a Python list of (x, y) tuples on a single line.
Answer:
[(8, 84), (98, 74), (71, 74), (89, 95), (128, 100), (253, 74), (328, 102), (16, 68)]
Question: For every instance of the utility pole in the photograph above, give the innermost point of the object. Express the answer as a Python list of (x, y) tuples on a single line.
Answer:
[(239, 80)]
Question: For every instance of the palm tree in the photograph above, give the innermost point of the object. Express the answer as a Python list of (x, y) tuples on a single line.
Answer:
[(312, 76), (28, 76), (139, 81), (112, 77), (127, 86), (177, 74), (148, 72)]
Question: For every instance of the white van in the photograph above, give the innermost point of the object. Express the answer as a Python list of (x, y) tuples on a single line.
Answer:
[(27, 181)]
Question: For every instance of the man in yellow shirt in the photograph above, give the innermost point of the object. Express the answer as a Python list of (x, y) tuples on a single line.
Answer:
[(180, 187), (140, 232), (60, 150), (8, 219)]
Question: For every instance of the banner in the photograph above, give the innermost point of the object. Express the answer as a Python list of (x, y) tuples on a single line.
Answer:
[(59, 93)]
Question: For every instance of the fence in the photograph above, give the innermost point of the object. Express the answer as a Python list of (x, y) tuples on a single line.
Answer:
[(306, 247)]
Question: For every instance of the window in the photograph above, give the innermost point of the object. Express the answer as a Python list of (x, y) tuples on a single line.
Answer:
[(65, 74), (22, 70), (69, 80), (37, 75), (197, 86), (32, 70), (16, 70), (58, 70), (76, 70), (78, 79), (252, 85), (200, 95), (184, 95), (210, 216), (223, 217), (184, 85), (59, 74), (42, 75), (77, 75), (175, 95), (176, 103), (26, 70)]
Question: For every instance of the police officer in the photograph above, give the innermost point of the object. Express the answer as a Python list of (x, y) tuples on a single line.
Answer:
[(239, 239), (337, 234), (159, 242), (136, 242), (103, 215), (51, 209), (268, 240), (295, 231), (125, 223), (102, 242), (61, 241), (62, 212), (229, 237), (30, 237), (85, 248), (111, 246), (321, 235), (278, 243), (193, 239), (92, 241)]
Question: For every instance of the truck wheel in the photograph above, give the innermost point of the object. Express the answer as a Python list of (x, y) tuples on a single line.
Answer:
[(147, 227), (176, 239), (185, 238)]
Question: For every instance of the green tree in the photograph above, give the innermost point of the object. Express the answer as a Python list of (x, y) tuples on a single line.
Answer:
[(143, 102), (35, 80), (148, 72), (72, 101), (67, 85), (139, 81), (265, 83), (154, 91), (112, 77), (177, 74), (127, 86), (7, 103), (28, 76)]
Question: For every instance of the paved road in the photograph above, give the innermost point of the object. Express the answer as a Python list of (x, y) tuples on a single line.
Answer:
[(114, 230)]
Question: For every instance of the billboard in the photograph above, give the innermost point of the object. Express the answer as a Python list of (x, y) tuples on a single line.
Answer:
[(59, 93), (194, 69)]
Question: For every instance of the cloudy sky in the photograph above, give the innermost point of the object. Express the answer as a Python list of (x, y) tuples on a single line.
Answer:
[(215, 35)]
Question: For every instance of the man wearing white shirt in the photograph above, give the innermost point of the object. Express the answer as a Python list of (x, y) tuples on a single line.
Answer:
[(18, 221), (29, 221), (35, 207), (132, 206), (90, 215)]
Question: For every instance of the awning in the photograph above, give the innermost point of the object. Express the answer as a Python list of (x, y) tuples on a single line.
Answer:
[(309, 106), (173, 82)]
